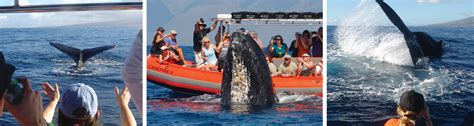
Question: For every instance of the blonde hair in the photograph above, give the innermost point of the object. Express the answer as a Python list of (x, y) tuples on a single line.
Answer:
[(204, 39), (407, 118)]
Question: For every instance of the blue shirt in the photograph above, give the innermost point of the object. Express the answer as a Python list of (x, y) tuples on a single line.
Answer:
[(171, 42)]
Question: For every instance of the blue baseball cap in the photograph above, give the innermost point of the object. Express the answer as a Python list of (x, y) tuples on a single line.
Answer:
[(79, 101)]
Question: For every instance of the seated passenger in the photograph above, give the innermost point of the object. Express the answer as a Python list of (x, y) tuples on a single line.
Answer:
[(173, 44), (208, 55), (169, 56), (273, 69), (222, 51), (277, 47), (318, 70), (305, 66), (157, 42), (287, 68), (304, 44)]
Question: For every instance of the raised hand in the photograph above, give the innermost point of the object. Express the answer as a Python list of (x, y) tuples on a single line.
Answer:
[(50, 92)]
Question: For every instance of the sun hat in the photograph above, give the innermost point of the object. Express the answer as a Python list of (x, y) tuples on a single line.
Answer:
[(79, 101), (287, 57), (173, 32), (305, 55), (412, 101), (164, 47), (160, 29)]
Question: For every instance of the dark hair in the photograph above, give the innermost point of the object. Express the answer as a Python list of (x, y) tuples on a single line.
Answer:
[(64, 120), (306, 33)]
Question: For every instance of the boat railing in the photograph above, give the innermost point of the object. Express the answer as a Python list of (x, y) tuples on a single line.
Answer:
[(17, 8)]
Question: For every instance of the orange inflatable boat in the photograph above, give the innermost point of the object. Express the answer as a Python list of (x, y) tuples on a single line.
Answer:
[(195, 81)]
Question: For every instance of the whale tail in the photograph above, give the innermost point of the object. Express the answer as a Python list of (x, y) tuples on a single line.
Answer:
[(80, 56)]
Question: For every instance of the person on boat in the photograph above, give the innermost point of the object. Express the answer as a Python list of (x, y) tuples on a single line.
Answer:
[(287, 68), (254, 35), (293, 49), (208, 55), (273, 69), (200, 31), (305, 67), (277, 47), (79, 106), (173, 44), (169, 56), (157, 42), (28, 111), (318, 70), (317, 43), (220, 31), (412, 106), (222, 51), (304, 44)]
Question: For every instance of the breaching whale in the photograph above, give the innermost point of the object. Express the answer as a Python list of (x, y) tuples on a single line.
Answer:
[(420, 44), (80, 56), (246, 77)]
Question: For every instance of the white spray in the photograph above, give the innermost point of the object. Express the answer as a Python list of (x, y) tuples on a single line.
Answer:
[(358, 33)]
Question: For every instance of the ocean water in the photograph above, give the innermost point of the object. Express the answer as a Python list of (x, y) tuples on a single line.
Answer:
[(29, 50), (165, 106), (366, 76)]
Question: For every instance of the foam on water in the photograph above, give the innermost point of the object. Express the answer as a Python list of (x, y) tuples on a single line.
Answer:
[(358, 34)]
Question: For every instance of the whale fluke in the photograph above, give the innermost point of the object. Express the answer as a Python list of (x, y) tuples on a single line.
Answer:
[(419, 44), (80, 56)]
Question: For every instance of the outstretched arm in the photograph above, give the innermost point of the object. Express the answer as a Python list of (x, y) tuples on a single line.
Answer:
[(394, 18), (126, 116)]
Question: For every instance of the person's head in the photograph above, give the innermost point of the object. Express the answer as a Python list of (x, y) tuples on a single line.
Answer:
[(306, 57), (79, 105), (160, 30), (200, 24), (206, 41), (278, 39), (287, 60), (306, 34), (226, 37), (173, 34), (410, 106), (165, 50), (320, 31)]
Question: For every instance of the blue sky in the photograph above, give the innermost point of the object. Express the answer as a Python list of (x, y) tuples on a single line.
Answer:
[(28, 20), (182, 14), (413, 12)]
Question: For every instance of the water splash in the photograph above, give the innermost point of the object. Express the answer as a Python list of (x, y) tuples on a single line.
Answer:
[(359, 33)]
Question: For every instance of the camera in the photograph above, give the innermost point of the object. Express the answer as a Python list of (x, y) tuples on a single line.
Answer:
[(13, 87)]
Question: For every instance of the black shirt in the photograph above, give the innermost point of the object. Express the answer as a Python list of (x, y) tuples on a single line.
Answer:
[(197, 38)]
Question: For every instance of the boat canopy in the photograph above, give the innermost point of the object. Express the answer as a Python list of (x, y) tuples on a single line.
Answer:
[(271, 18)]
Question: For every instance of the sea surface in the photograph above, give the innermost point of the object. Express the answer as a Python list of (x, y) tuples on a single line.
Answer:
[(29, 50), (369, 68), (166, 107)]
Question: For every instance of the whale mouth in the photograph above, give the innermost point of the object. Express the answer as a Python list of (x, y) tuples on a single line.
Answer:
[(246, 76), (240, 84)]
